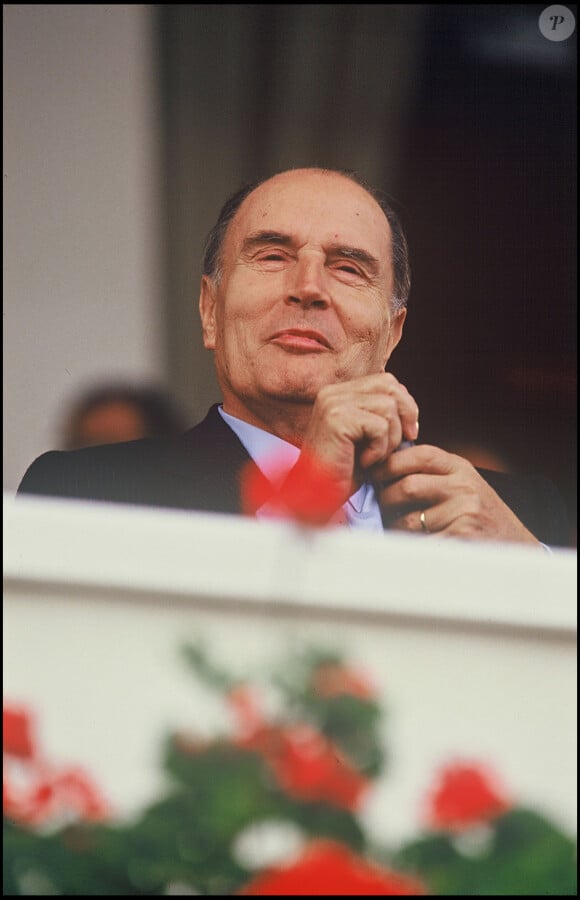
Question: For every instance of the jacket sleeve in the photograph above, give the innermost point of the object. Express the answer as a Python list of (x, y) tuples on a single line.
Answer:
[(93, 473), (52, 475)]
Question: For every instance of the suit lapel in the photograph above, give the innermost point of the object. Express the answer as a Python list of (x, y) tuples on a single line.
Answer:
[(213, 457)]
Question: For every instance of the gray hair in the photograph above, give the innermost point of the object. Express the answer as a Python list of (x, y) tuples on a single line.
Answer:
[(212, 257)]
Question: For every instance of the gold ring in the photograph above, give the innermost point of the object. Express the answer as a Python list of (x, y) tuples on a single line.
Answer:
[(423, 522)]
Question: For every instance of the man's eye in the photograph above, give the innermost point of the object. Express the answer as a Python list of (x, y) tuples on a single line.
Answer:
[(346, 267), (272, 256)]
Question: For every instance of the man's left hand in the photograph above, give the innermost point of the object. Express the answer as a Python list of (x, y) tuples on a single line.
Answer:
[(426, 489)]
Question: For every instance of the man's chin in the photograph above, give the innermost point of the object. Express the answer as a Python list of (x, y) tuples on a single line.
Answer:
[(304, 393), (298, 384)]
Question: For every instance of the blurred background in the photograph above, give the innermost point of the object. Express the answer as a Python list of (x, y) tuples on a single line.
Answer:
[(126, 126)]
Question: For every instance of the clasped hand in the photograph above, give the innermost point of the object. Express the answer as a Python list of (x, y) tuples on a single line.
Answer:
[(354, 431)]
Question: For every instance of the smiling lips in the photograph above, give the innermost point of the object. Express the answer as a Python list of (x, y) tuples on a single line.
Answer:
[(301, 340)]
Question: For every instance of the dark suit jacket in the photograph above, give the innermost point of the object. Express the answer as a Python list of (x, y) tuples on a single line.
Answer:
[(200, 470)]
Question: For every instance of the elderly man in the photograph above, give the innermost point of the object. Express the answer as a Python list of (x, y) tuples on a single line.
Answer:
[(303, 300)]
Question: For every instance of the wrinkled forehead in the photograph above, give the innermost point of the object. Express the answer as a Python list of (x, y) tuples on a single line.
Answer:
[(311, 205)]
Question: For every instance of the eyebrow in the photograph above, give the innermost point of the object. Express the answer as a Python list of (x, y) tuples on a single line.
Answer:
[(355, 253), (276, 237), (266, 237)]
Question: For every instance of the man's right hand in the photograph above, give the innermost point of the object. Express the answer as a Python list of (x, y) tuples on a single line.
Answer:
[(357, 424)]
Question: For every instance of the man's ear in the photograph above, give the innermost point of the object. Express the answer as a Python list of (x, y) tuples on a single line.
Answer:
[(395, 331), (207, 305)]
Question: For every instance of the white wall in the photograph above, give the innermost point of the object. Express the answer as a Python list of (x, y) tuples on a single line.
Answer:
[(81, 260)]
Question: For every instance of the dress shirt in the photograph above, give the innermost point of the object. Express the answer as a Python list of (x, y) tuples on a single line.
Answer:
[(274, 455)]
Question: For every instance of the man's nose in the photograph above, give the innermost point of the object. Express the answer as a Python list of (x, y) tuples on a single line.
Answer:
[(307, 284)]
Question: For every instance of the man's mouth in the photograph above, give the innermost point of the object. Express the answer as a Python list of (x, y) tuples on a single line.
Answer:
[(301, 339)]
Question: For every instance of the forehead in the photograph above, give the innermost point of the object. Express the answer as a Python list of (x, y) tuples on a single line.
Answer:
[(314, 206)]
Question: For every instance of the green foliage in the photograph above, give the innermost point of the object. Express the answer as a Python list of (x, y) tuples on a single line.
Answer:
[(349, 721), (522, 854), (234, 789), (219, 788), (195, 656), (83, 859)]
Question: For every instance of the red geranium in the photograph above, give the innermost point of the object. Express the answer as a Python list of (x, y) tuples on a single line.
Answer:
[(245, 706), (332, 680), (307, 493), (33, 790), (49, 796), (304, 762), (307, 765), (327, 868), (17, 732), (464, 795)]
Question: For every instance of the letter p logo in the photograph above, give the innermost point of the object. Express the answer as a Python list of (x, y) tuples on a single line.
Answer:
[(557, 23)]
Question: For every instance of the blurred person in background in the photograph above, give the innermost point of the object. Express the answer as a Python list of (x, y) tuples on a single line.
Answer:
[(112, 413)]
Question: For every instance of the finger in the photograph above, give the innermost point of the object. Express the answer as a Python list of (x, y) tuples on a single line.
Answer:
[(431, 520), (387, 407), (381, 434), (369, 389), (407, 407), (336, 440), (369, 421), (422, 458), (412, 492), (377, 448)]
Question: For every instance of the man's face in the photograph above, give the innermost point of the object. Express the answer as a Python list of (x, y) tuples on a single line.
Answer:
[(304, 298)]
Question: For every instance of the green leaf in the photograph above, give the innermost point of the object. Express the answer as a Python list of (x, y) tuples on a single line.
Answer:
[(211, 675), (527, 855)]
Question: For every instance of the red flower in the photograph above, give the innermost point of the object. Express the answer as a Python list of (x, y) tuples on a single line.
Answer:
[(17, 733), (327, 868), (40, 792), (307, 493), (244, 704), (52, 795), (75, 790), (307, 765), (332, 680), (464, 795)]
